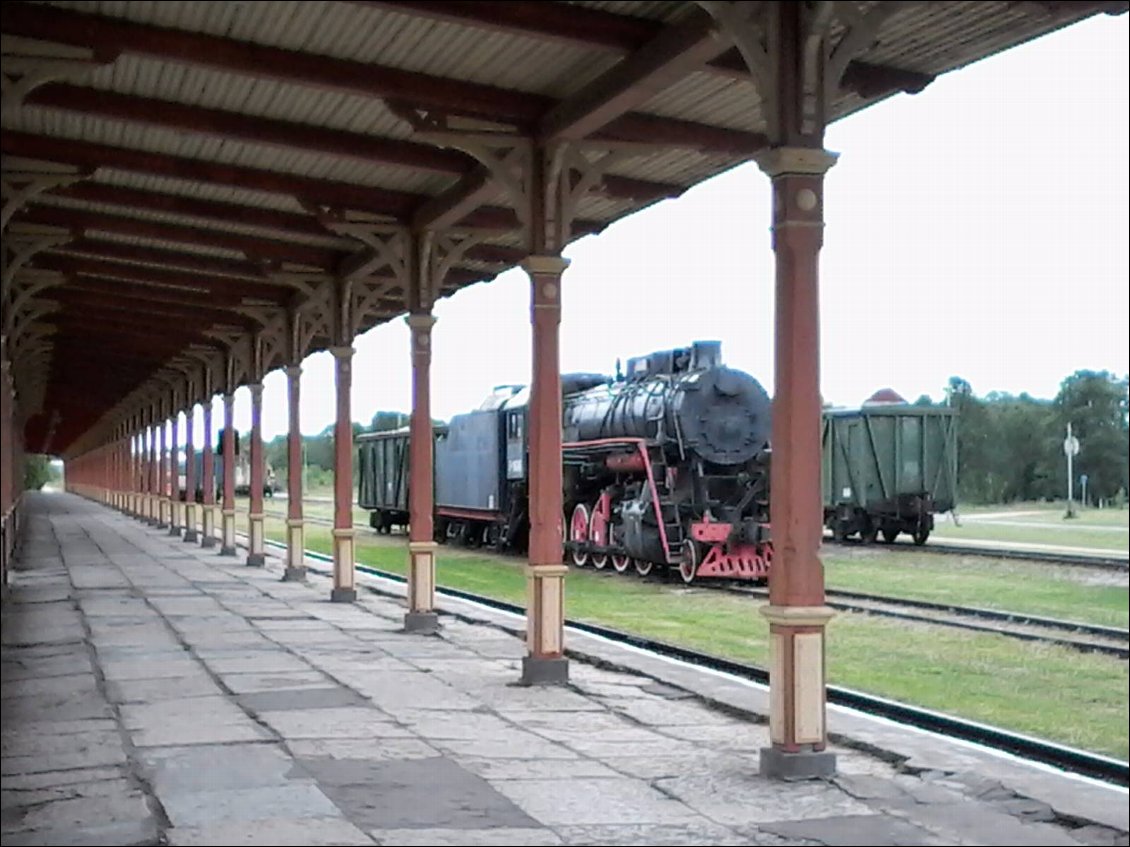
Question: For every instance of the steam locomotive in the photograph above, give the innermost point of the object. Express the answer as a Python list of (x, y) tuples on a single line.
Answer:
[(666, 464)]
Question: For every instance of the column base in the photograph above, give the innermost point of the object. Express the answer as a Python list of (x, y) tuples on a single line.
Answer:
[(190, 536), (174, 530), (424, 623), (542, 670), (227, 551), (207, 541), (806, 764), (256, 560), (294, 574), (343, 595)]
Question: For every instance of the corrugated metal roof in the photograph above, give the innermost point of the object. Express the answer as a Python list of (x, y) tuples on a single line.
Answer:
[(200, 190)]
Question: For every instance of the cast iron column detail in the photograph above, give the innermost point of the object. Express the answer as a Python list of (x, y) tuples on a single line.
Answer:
[(545, 661), (421, 616), (344, 577), (295, 531), (256, 556), (227, 545)]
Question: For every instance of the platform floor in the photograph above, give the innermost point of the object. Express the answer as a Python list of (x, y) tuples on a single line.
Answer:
[(157, 693)]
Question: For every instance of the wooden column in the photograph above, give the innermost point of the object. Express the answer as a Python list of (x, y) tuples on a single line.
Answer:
[(172, 492), (421, 616), (256, 556), (295, 527), (796, 612), (208, 479), (545, 662), (344, 588), (190, 534), (156, 463), (227, 546), (7, 438)]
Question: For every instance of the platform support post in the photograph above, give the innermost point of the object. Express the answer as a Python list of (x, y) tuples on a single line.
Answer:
[(227, 545), (344, 587), (295, 526)]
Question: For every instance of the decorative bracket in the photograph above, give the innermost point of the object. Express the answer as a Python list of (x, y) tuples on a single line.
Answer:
[(23, 179), (30, 62)]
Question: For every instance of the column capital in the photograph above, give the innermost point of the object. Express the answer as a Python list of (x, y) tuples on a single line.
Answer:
[(256, 389), (342, 352), (293, 371), (421, 320), (550, 265), (795, 161)]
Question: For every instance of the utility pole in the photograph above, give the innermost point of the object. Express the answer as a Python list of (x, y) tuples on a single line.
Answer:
[(1070, 449)]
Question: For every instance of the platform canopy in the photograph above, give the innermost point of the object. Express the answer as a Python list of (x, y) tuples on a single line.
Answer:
[(179, 176)]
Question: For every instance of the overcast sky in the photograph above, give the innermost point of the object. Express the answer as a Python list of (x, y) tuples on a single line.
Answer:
[(978, 229)]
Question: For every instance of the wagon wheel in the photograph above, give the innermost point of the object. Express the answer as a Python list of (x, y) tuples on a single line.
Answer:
[(598, 536), (869, 533), (921, 533), (643, 566), (890, 534), (579, 534), (621, 561), (688, 565)]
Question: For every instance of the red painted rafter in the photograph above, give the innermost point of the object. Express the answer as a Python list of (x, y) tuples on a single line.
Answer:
[(450, 96), (252, 246), (235, 125), (163, 258)]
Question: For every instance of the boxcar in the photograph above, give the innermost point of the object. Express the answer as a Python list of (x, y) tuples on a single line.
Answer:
[(382, 478), (887, 468)]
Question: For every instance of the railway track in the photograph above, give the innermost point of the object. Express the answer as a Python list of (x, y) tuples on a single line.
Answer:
[(1033, 749), (1088, 638), (1075, 635), (1118, 563)]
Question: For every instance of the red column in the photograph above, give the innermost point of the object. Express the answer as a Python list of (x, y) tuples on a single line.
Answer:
[(256, 555), (227, 547), (295, 532), (343, 590), (189, 476), (421, 616), (172, 492), (154, 470), (7, 437), (545, 635), (796, 611), (208, 483)]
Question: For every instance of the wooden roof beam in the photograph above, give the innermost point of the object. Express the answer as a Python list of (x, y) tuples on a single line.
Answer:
[(307, 190), (179, 204), (256, 130), (451, 96), (250, 246), (168, 261), (670, 55)]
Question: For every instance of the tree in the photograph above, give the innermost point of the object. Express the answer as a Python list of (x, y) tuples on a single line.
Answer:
[(37, 472), (1097, 405)]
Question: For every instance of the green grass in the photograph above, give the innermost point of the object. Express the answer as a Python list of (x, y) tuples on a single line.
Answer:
[(1078, 594), (1073, 698), (1069, 534)]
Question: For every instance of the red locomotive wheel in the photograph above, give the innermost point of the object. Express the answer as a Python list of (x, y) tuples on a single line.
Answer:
[(643, 567), (598, 536), (579, 534), (688, 566)]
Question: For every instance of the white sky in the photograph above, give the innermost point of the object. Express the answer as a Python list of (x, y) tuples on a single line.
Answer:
[(977, 229)]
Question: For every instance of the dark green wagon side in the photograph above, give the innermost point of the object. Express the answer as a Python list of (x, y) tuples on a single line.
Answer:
[(887, 469), (382, 478)]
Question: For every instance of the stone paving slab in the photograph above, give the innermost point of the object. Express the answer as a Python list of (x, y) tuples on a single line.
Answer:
[(157, 693)]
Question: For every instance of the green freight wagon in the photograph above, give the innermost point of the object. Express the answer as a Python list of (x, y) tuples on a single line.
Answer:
[(382, 476), (887, 468)]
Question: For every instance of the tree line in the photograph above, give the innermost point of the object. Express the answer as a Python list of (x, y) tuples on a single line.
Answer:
[(1012, 448)]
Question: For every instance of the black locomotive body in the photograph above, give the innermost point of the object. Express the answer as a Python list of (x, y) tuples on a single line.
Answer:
[(664, 465)]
